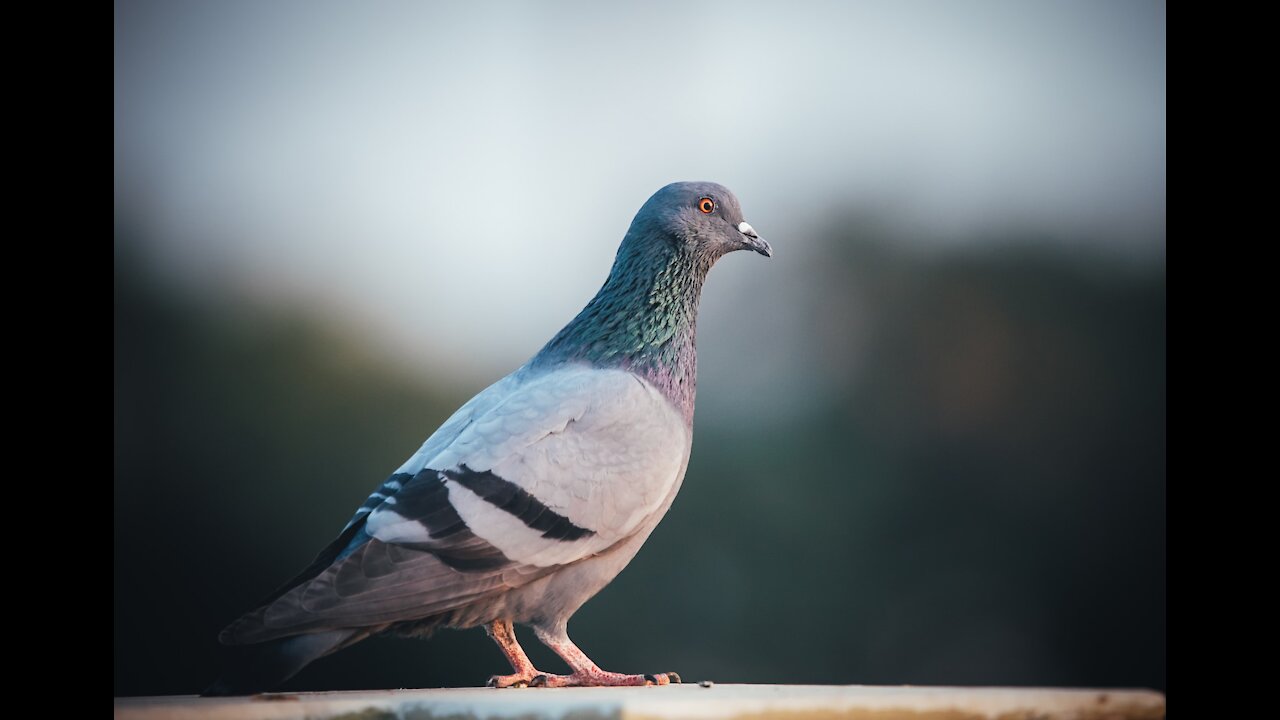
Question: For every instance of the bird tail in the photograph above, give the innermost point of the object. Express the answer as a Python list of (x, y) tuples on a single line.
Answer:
[(263, 666)]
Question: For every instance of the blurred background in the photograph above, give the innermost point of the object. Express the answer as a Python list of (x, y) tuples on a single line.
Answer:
[(930, 438)]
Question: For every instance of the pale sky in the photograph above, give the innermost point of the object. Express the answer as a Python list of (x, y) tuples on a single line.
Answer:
[(455, 177)]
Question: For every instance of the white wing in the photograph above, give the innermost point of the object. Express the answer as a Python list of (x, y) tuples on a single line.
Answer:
[(600, 449), (534, 473)]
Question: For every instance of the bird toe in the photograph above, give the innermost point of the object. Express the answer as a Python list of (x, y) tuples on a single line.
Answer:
[(508, 681)]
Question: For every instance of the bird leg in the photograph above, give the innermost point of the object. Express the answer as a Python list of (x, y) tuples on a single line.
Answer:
[(585, 672), (505, 635)]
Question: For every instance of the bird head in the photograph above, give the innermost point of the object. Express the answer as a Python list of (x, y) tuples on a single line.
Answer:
[(702, 217)]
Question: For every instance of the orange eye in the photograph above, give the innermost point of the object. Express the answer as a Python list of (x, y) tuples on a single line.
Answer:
[(706, 205)]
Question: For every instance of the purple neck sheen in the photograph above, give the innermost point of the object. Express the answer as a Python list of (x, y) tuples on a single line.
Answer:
[(643, 319)]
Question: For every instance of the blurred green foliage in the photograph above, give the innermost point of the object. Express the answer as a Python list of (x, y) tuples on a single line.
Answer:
[(979, 498)]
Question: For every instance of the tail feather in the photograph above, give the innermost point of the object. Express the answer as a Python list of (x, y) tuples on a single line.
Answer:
[(267, 665)]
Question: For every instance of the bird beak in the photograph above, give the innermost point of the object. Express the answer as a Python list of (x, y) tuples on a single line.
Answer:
[(754, 241)]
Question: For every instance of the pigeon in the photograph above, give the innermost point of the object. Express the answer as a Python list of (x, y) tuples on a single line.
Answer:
[(538, 491)]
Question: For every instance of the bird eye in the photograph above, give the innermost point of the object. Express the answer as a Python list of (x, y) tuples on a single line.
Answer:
[(706, 205)]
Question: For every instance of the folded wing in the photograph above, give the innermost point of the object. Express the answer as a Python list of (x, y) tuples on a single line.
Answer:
[(534, 474)]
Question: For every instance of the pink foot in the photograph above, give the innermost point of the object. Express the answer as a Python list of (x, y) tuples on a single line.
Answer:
[(602, 678)]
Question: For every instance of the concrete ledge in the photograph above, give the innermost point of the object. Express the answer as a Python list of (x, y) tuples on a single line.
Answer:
[(674, 702)]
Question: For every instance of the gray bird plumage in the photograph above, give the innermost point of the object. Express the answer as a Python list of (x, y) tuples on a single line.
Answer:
[(537, 492)]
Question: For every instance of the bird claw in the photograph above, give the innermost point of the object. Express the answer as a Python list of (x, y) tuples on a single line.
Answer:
[(507, 681), (547, 680)]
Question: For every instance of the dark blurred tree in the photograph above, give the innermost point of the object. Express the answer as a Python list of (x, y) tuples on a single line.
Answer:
[(244, 438), (980, 498)]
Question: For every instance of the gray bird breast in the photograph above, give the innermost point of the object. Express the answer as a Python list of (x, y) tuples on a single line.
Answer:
[(549, 601)]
